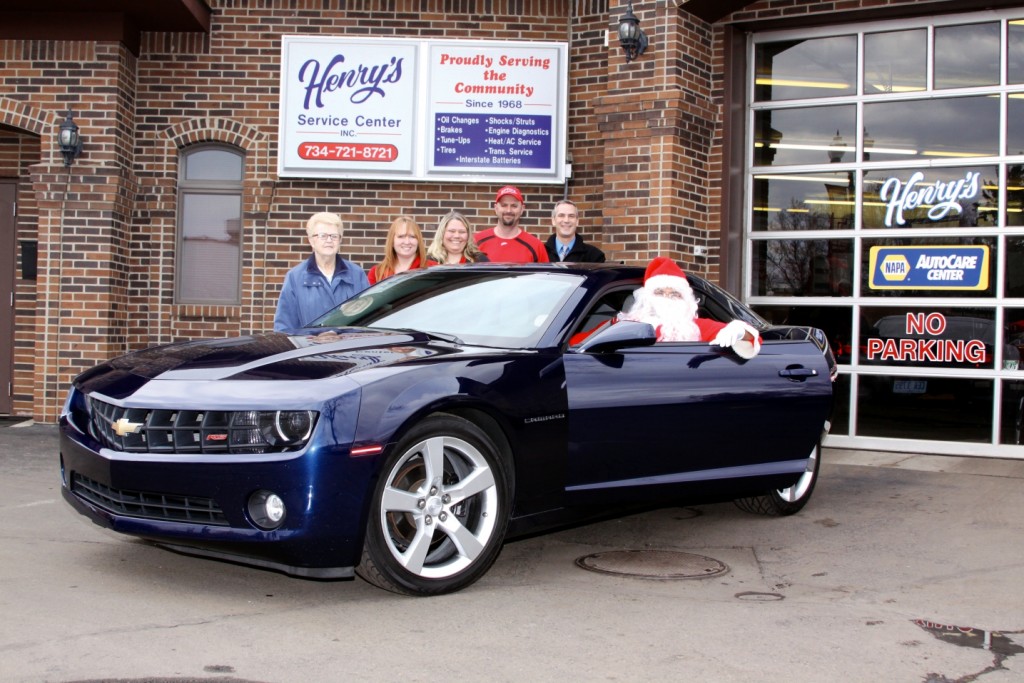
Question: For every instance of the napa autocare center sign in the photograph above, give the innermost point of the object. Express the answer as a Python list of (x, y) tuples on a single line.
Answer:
[(933, 267), (393, 108)]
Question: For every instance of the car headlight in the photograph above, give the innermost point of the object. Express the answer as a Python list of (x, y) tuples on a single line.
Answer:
[(286, 427), (281, 430)]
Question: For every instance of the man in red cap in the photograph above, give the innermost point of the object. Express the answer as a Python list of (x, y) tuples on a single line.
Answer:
[(506, 242), (666, 301)]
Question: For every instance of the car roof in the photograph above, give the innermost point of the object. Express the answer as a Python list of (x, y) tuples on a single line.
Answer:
[(599, 273), (562, 266)]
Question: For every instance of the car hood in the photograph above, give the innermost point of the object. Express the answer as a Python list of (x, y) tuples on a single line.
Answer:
[(270, 356)]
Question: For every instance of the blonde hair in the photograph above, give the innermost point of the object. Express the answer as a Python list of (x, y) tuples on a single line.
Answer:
[(386, 267), (438, 253), (324, 217)]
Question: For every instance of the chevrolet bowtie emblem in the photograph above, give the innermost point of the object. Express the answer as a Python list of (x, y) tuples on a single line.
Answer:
[(123, 427)]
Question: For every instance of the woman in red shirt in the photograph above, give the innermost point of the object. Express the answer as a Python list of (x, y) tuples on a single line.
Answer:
[(404, 250), (453, 243)]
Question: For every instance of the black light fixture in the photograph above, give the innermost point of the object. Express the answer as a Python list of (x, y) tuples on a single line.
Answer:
[(69, 139), (631, 37)]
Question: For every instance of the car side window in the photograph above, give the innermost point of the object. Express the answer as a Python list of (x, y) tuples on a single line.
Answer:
[(606, 308)]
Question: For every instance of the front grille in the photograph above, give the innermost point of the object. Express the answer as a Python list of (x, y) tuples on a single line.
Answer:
[(142, 430), (161, 506)]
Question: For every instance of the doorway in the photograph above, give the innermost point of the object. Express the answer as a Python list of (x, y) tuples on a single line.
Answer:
[(8, 243)]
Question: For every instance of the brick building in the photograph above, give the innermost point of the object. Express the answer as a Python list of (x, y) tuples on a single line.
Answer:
[(683, 152)]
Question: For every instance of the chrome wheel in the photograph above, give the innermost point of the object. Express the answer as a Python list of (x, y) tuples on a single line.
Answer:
[(440, 510), (789, 500), (803, 485), (439, 507)]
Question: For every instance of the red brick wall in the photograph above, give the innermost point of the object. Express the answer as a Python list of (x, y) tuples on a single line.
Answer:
[(225, 88), (658, 121), (647, 142), (106, 225)]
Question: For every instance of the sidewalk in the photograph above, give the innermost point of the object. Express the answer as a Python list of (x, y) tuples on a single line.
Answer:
[(951, 464)]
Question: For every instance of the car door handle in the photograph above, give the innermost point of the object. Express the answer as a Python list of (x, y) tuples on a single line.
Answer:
[(798, 373)]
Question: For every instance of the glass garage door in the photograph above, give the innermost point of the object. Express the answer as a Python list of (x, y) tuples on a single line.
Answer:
[(885, 204)]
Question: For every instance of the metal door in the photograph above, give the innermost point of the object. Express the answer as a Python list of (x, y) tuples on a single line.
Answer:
[(677, 412), (8, 243)]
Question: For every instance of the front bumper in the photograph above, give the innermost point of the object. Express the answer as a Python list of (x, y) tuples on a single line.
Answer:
[(198, 504)]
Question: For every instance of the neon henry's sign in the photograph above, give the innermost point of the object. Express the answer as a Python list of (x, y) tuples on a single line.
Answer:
[(940, 197)]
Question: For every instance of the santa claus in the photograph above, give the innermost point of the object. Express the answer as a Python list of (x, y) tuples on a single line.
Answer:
[(666, 301)]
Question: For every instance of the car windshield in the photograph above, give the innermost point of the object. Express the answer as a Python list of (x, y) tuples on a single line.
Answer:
[(507, 309)]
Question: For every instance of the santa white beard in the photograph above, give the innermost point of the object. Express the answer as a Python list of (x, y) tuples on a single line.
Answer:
[(673, 319)]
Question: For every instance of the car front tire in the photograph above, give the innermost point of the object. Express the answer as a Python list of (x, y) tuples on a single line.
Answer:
[(789, 500), (439, 510)]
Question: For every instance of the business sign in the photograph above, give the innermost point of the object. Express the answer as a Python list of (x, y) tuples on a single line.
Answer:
[(940, 198), (393, 108), (953, 267), (930, 338)]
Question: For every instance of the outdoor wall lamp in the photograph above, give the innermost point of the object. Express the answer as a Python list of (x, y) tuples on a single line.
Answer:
[(837, 149), (631, 37), (69, 139)]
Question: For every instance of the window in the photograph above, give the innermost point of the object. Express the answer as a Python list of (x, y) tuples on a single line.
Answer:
[(209, 244), (895, 61), (795, 69), (884, 203), (967, 56), (921, 130)]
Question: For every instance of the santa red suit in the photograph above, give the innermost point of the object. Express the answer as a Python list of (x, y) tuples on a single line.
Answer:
[(666, 302)]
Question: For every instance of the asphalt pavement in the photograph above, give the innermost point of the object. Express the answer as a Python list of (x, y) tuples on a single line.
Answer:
[(901, 568)]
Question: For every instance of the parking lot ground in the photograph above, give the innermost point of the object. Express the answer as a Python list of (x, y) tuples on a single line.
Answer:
[(901, 568)]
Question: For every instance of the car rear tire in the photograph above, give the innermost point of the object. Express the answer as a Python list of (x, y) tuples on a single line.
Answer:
[(789, 500), (439, 510)]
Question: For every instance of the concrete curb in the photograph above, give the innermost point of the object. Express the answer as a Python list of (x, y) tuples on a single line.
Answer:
[(981, 466)]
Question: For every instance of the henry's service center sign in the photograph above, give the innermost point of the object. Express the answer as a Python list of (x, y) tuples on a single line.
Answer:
[(393, 108)]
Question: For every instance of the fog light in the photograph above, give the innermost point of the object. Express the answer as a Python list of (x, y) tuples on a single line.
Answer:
[(266, 509)]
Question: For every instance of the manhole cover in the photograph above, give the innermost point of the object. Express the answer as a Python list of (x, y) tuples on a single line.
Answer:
[(653, 564)]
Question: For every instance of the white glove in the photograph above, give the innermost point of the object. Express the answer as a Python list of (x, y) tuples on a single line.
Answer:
[(741, 338), (731, 333)]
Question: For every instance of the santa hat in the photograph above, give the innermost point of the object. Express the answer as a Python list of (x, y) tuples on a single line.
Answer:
[(663, 272)]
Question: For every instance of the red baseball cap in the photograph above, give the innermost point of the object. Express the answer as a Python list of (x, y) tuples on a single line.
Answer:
[(509, 189)]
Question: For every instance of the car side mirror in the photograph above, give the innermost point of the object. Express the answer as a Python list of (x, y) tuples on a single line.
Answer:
[(623, 334)]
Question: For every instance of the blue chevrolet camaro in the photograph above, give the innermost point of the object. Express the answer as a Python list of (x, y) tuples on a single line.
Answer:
[(407, 434)]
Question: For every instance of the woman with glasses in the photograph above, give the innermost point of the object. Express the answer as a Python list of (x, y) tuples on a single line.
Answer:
[(453, 242), (404, 250), (322, 281)]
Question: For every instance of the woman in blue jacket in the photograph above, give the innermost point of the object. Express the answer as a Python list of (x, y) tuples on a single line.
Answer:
[(322, 281)]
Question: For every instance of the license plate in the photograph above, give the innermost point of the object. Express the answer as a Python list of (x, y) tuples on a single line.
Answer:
[(909, 386)]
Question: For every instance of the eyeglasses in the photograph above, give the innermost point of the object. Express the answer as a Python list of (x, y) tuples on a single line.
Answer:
[(668, 293), (327, 236)]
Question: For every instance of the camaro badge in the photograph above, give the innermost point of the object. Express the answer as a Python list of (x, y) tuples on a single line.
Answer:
[(123, 427)]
